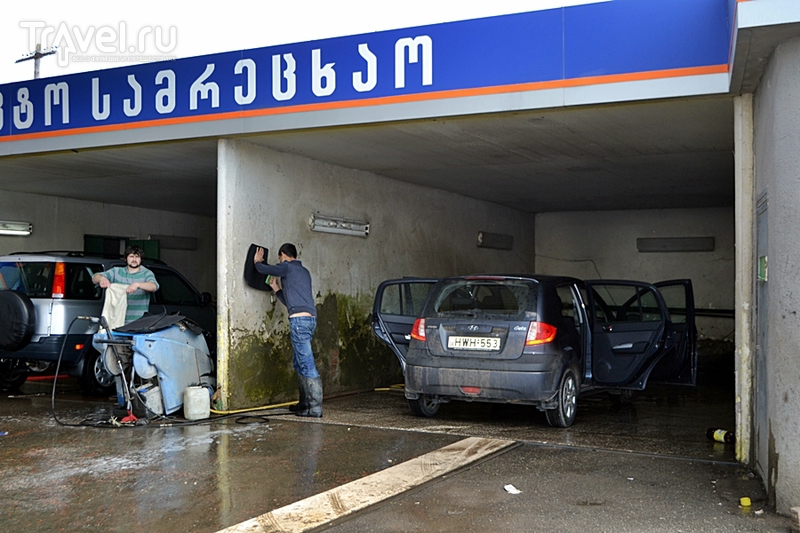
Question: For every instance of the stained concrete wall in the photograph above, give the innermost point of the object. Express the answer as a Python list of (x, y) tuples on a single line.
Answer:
[(777, 164), (266, 197), (61, 223), (602, 244)]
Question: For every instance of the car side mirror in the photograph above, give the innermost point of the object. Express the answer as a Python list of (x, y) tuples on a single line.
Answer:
[(205, 298)]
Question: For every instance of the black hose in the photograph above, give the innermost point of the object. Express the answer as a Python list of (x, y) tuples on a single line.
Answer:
[(58, 368)]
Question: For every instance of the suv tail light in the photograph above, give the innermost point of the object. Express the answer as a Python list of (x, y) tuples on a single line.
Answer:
[(59, 281), (540, 333), (418, 331)]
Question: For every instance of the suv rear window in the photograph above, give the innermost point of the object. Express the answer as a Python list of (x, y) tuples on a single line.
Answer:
[(35, 279), (503, 299)]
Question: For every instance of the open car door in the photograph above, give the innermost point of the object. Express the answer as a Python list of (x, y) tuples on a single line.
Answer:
[(679, 365), (398, 303), (631, 332)]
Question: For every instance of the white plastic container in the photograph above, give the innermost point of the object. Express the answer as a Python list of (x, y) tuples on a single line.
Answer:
[(196, 403), (152, 399)]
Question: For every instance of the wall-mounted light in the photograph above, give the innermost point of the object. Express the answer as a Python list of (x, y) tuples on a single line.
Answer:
[(8, 227), (498, 241), (342, 226)]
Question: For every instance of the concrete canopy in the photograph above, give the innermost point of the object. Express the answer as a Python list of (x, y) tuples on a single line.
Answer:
[(662, 154)]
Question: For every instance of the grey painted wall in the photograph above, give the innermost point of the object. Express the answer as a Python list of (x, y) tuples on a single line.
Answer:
[(602, 244), (60, 224), (267, 197), (777, 164)]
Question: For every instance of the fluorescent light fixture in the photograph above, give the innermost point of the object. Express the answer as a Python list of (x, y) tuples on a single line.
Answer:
[(342, 226), (8, 227)]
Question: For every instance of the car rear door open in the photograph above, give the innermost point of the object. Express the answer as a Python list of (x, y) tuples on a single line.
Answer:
[(397, 305)]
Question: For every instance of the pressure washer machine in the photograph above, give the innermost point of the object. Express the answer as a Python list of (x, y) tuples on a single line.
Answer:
[(156, 358)]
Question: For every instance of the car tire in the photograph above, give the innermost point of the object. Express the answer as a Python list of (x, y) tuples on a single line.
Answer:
[(625, 397), (96, 379), (10, 377), (564, 413), (423, 406), (19, 320)]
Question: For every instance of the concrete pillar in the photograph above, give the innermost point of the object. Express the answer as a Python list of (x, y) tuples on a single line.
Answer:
[(777, 178), (744, 184)]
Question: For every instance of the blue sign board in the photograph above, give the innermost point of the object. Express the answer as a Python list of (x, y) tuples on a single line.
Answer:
[(617, 40)]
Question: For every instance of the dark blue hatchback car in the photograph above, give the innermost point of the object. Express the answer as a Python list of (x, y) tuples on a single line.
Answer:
[(535, 340)]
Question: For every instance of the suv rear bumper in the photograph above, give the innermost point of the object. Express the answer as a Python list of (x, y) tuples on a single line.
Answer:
[(48, 349), (495, 385)]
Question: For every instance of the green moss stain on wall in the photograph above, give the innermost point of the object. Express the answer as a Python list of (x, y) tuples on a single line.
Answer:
[(326, 343), (364, 360), (261, 370), (348, 355)]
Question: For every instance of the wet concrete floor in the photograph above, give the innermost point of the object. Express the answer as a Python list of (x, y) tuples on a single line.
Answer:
[(647, 466)]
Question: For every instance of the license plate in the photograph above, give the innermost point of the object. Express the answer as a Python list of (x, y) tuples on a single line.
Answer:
[(474, 343)]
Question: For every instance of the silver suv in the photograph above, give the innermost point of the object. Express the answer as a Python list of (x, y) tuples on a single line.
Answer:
[(41, 294)]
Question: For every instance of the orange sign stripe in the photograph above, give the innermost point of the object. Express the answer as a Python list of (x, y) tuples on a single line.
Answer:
[(383, 100)]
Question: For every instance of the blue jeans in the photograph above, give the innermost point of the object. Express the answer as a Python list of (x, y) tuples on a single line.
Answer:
[(301, 331)]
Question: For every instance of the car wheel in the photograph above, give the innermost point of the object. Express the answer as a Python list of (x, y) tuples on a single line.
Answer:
[(564, 414), (12, 374), (423, 406), (19, 320), (624, 397), (96, 379)]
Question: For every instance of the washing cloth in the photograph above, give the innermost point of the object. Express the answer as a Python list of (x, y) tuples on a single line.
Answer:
[(116, 305)]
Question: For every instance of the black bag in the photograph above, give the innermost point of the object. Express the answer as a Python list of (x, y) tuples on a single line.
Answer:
[(251, 275)]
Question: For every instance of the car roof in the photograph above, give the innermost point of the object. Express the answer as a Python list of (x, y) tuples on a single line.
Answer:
[(73, 257), (540, 278)]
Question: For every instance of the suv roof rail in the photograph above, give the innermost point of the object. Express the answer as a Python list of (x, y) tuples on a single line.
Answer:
[(75, 253), (68, 253)]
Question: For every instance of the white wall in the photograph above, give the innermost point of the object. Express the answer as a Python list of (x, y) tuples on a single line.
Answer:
[(777, 164), (602, 244), (267, 197), (61, 223)]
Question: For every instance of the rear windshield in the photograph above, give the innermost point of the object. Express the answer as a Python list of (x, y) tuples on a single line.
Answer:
[(501, 299), (35, 279)]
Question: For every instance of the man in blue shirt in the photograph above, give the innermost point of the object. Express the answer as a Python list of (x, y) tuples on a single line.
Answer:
[(296, 295)]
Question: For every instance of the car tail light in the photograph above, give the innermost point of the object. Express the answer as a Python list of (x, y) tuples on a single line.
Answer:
[(79, 347), (540, 333), (58, 281), (418, 331), (471, 391)]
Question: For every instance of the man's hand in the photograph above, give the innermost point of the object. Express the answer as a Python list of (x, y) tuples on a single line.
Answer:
[(273, 282), (147, 286), (104, 283), (259, 257)]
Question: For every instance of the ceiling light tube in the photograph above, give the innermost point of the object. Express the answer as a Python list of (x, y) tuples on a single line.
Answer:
[(8, 227), (342, 226)]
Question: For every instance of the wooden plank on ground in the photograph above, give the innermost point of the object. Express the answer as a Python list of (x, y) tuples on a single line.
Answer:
[(357, 495)]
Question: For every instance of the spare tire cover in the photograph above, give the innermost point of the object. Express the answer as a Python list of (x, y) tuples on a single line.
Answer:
[(17, 320)]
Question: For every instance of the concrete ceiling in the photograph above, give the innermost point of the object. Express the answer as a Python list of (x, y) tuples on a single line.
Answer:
[(662, 154)]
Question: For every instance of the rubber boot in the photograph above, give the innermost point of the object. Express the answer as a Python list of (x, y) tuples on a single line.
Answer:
[(302, 404), (313, 388)]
